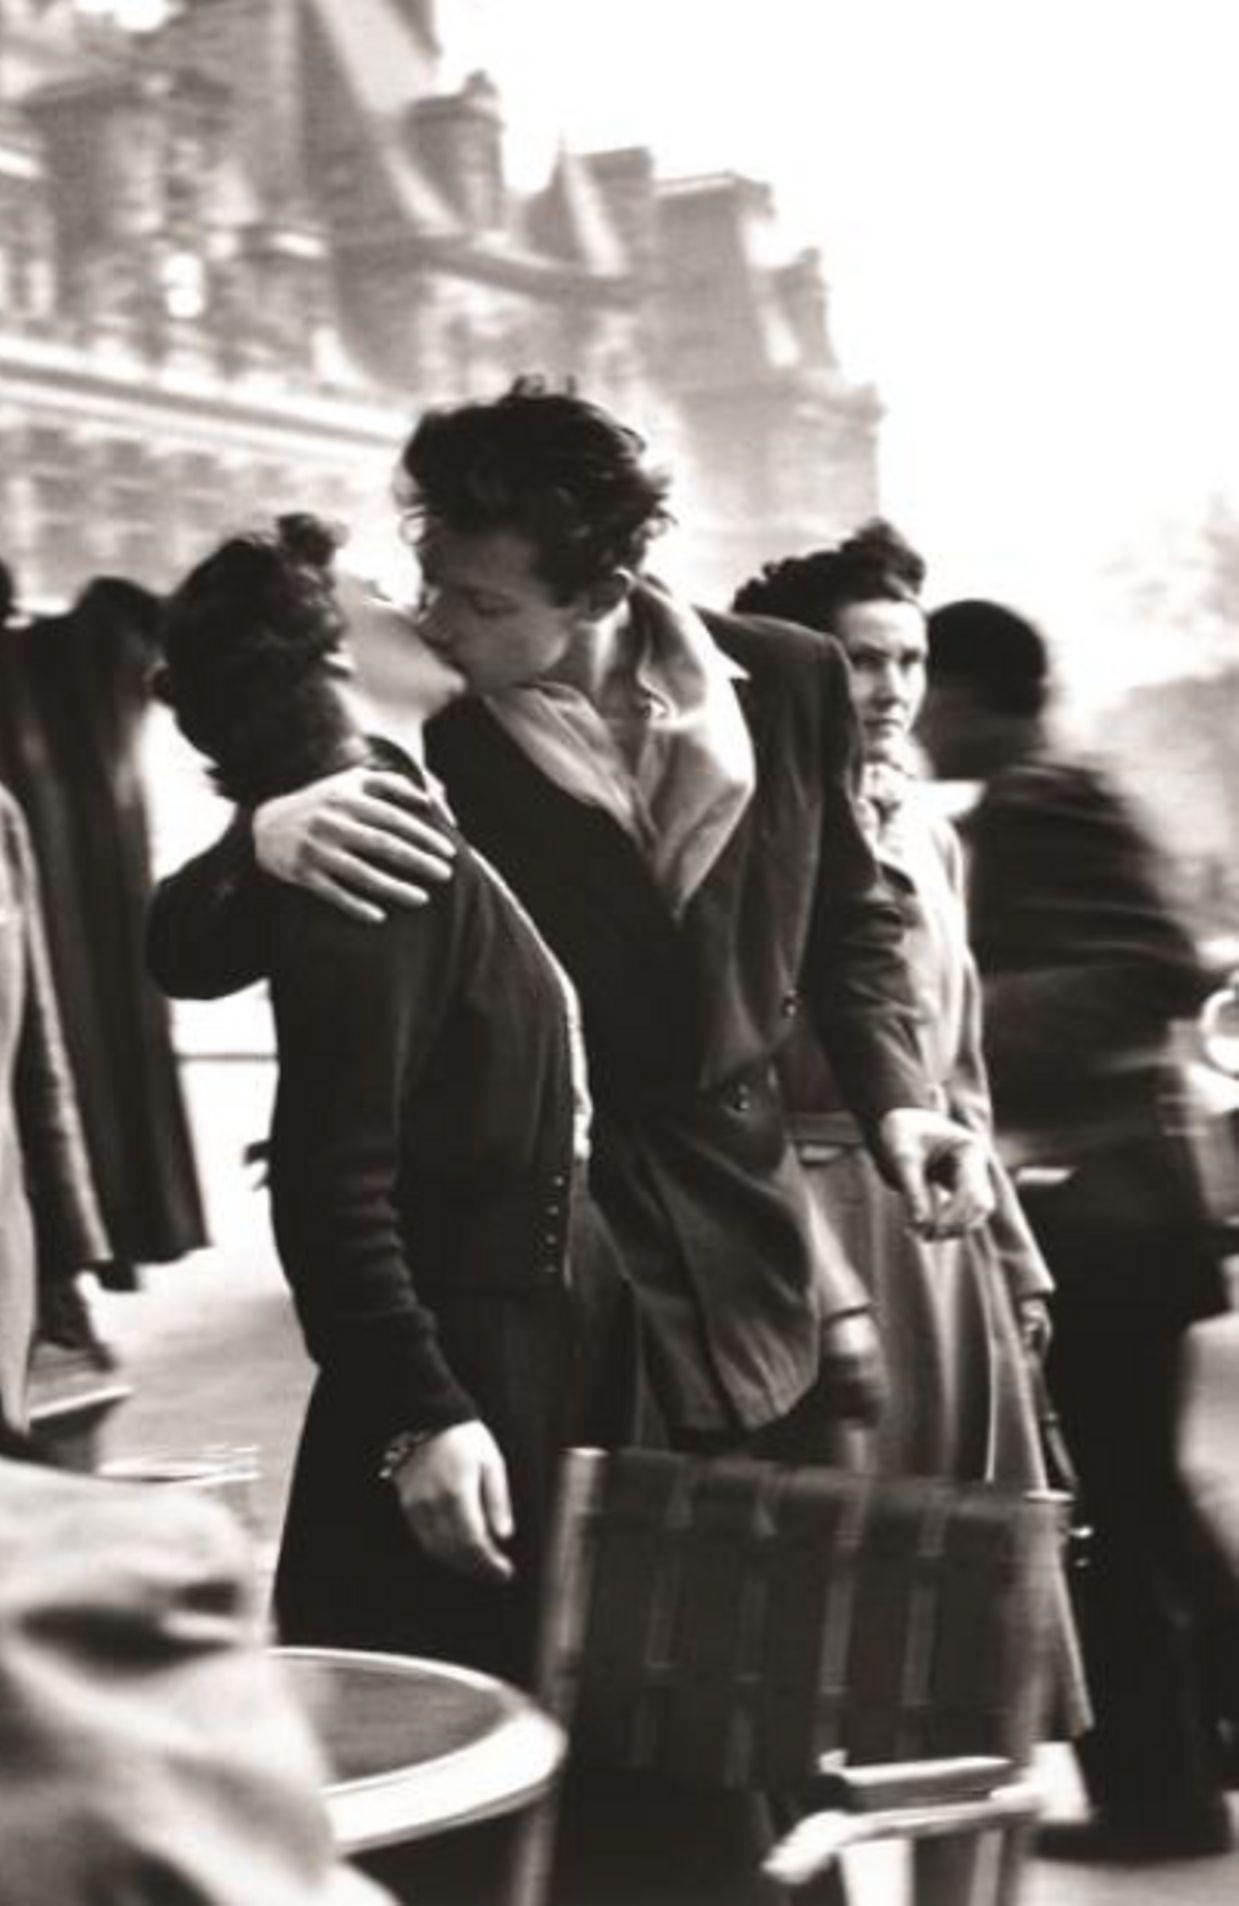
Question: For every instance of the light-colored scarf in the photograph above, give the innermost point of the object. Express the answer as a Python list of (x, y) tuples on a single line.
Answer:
[(694, 772)]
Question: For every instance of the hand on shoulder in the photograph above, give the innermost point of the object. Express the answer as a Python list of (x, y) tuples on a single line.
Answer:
[(365, 840)]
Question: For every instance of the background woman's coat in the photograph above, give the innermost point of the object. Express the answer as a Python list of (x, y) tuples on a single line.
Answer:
[(48, 1214), (76, 691), (960, 1400)]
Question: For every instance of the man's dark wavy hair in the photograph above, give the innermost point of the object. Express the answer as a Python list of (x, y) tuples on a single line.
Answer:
[(547, 465), (999, 655), (874, 565), (246, 640)]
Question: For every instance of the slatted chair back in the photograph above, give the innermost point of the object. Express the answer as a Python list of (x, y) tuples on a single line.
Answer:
[(732, 1621)]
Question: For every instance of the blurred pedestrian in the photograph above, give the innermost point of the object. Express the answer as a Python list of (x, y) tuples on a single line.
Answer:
[(1085, 967)]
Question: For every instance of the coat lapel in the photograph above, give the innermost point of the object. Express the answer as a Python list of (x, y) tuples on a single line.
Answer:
[(714, 921), (500, 795)]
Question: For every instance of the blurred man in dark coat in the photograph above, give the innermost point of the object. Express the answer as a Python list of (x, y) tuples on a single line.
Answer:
[(1085, 967)]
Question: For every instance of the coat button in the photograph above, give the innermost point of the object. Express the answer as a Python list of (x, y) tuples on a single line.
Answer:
[(789, 1005), (740, 1098)]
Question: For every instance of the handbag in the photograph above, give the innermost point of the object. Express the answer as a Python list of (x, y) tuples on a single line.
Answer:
[(1063, 1477)]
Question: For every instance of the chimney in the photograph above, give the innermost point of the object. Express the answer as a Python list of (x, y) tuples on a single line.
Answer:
[(458, 138)]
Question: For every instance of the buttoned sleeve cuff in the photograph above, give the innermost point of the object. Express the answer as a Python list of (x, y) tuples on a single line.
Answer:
[(394, 1367)]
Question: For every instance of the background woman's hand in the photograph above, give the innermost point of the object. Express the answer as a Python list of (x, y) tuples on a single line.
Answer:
[(453, 1489), (942, 1169)]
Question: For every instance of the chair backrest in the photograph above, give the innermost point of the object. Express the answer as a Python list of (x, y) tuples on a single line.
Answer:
[(731, 1621)]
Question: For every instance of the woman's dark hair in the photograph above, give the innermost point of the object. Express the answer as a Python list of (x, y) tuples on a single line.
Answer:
[(1002, 658), (874, 565), (547, 465), (246, 640)]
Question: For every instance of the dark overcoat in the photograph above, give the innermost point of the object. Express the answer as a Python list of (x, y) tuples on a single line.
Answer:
[(683, 1018), (1085, 966), (75, 689)]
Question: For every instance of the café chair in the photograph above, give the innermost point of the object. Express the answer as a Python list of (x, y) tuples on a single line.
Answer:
[(731, 1623), (967, 1820)]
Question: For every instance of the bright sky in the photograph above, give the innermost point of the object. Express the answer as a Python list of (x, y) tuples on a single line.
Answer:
[(1027, 210)]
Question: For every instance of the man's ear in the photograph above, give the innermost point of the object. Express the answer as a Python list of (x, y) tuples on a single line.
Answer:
[(608, 594)]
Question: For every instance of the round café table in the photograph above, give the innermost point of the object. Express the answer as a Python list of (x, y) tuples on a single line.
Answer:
[(417, 1747)]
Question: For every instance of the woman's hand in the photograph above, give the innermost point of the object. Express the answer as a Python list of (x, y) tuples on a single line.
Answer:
[(453, 1489), (942, 1170), (361, 839)]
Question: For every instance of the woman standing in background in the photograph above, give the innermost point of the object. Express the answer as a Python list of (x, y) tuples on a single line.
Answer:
[(958, 1317)]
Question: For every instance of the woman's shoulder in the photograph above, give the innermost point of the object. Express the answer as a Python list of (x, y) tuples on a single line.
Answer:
[(307, 933)]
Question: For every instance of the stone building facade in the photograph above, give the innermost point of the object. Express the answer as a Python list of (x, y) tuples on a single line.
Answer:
[(238, 253)]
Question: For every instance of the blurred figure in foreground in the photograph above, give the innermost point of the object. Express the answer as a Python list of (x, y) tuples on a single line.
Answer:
[(150, 1752), (1085, 968)]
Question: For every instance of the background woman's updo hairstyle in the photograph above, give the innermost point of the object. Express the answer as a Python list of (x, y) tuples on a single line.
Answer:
[(874, 565), (247, 639)]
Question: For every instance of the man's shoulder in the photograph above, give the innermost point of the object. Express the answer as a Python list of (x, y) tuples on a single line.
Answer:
[(1055, 789)]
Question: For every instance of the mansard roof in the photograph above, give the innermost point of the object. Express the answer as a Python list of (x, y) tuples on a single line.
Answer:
[(385, 64)]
